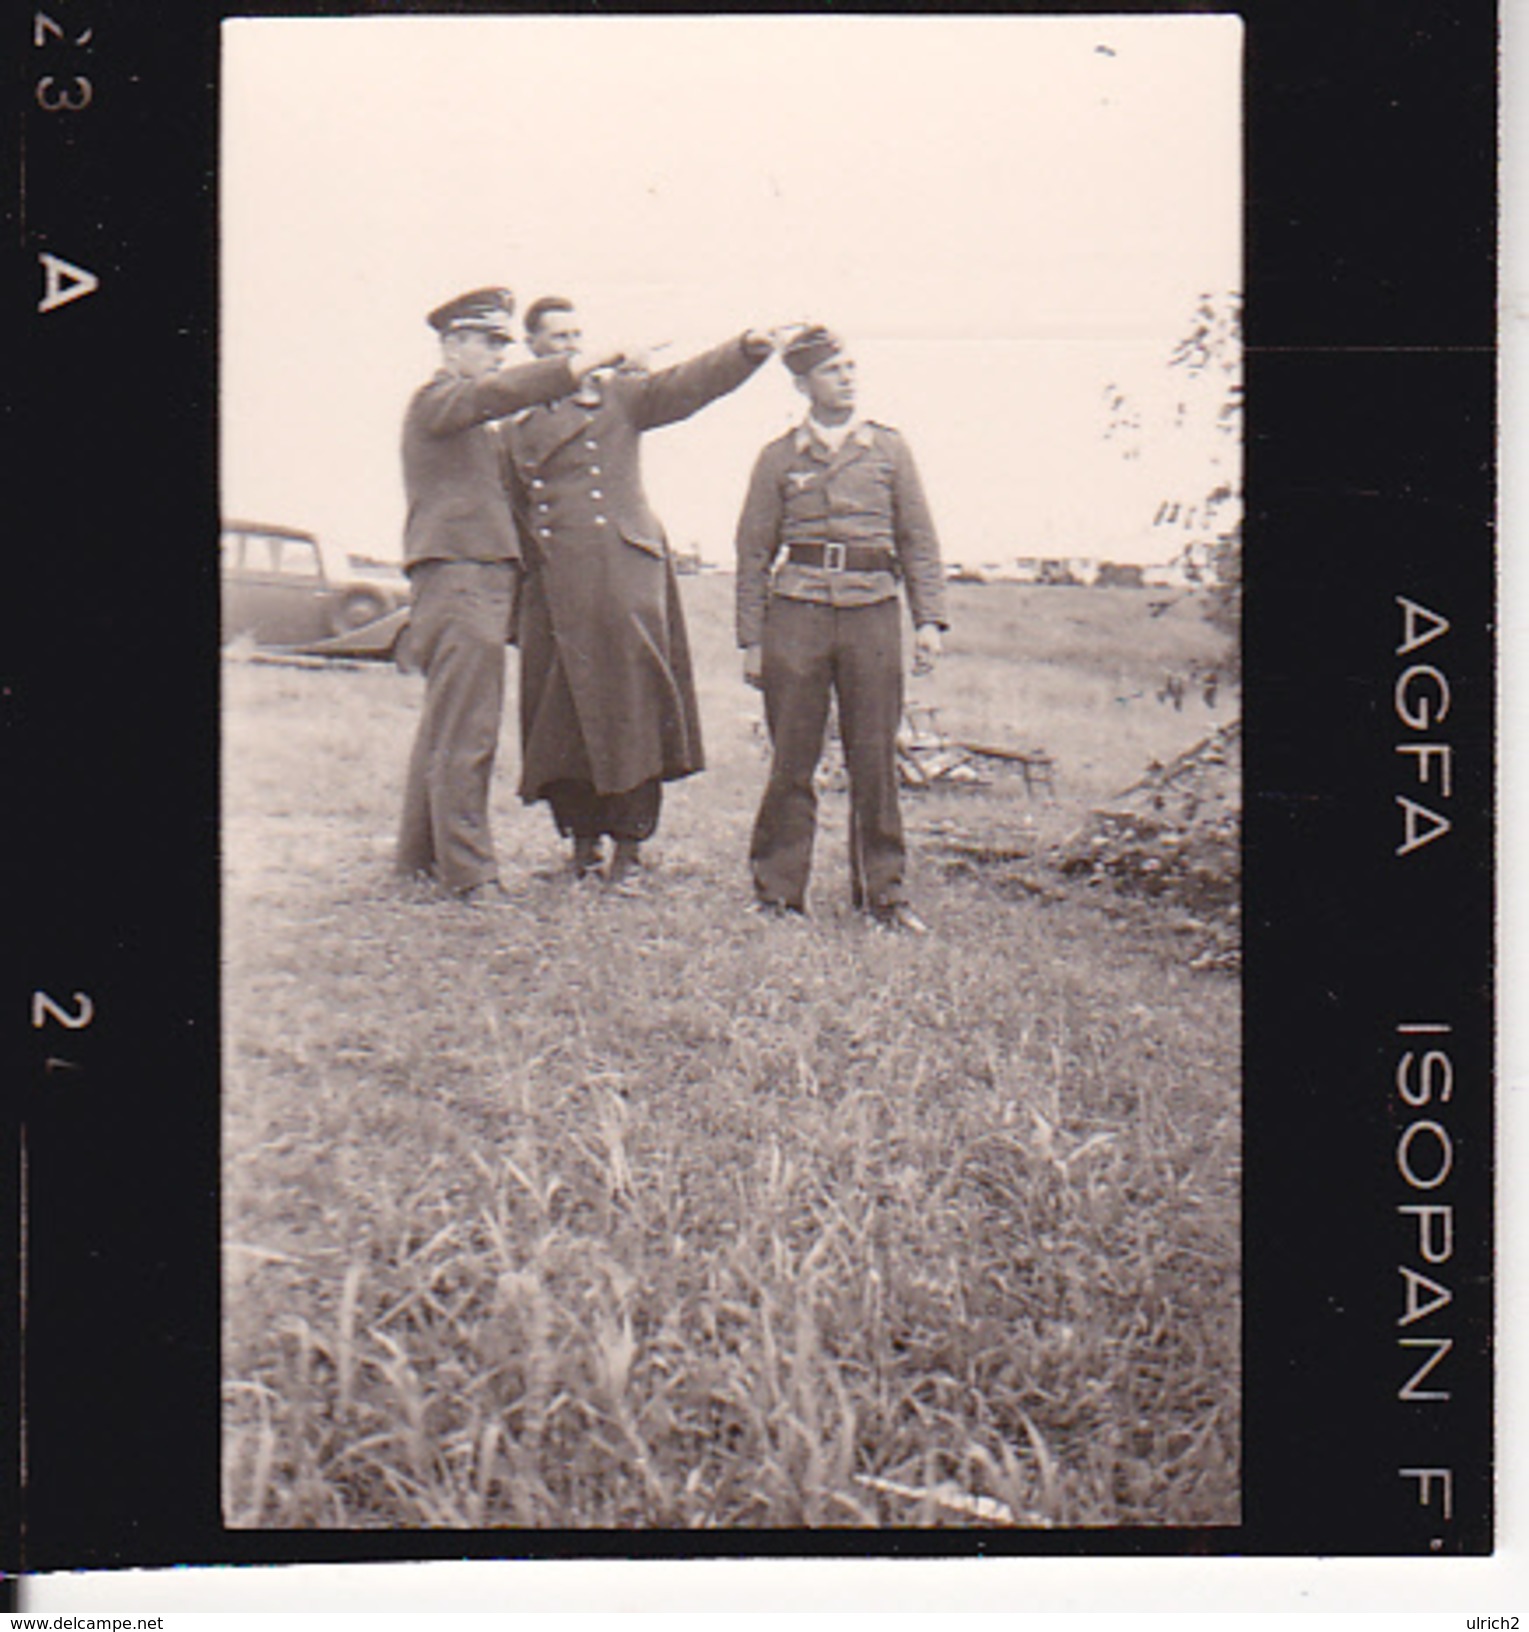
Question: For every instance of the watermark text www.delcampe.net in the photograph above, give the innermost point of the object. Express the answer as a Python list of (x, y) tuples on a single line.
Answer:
[(87, 1623)]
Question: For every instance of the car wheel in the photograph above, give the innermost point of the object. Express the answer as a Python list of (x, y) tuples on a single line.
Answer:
[(356, 611)]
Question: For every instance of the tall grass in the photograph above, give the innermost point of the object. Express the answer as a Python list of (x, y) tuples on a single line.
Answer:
[(647, 1213)]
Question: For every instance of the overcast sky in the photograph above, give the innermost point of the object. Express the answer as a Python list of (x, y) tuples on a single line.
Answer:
[(1003, 215)]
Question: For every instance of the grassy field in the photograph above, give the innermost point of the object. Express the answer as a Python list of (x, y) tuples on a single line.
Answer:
[(610, 1212)]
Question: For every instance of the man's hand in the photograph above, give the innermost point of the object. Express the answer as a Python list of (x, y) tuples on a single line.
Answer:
[(763, 341), (607, 362), (639, 359), (927, 646), (753, 667)]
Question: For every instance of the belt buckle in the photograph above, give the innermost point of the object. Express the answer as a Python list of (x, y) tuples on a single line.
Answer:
[(834, 557)]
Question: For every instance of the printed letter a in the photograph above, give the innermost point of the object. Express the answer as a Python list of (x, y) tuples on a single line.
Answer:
[(1412, 635), (1416, 835), (60, 292)]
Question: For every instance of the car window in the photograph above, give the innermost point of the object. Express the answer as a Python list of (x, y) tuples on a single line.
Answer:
[(271, 554), (296, 558)]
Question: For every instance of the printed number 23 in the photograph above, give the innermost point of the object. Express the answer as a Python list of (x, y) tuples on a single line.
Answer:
[(45, 1009)]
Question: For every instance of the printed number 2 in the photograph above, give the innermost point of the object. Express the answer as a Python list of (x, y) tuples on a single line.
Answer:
[(45, 1009), (43, 27)]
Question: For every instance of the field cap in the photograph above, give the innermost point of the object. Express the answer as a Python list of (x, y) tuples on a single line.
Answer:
[(812, 346), (488, 310)]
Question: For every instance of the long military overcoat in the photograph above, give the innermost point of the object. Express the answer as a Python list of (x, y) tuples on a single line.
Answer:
[(607, 690)]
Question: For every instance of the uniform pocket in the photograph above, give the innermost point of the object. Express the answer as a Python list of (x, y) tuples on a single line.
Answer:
[(806, 498), (650, 544), (867, 484)]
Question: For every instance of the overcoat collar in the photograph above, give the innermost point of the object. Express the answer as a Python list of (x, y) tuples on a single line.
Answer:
[(540, 432)]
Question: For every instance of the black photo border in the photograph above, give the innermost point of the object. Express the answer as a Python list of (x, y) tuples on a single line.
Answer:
[(1371, 375)]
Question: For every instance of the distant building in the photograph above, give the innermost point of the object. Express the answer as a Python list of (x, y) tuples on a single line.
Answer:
[(1035, 569), (1120, 575), (1167, 575)]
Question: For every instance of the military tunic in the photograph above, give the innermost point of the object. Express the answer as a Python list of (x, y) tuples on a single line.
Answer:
[(608, 697)]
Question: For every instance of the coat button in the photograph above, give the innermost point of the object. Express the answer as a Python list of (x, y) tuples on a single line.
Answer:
[(599, 521), (594, 470), (595, 493), (591, 446)]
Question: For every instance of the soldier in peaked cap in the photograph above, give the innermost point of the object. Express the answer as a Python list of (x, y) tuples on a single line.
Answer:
[(462, 556), (836, 509), (607, 697)]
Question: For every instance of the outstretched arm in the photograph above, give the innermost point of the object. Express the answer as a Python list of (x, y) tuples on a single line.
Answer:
[(676, 393), (449, 403)]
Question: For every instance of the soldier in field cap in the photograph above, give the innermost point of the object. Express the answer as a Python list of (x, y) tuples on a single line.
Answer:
[(462, 555), (835, 518), (814, 344)]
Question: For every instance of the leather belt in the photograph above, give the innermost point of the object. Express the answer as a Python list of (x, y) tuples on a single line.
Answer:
[(842, 557)]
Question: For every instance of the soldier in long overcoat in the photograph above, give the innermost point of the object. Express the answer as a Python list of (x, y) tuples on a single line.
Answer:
[(608, 705), (462, 555)]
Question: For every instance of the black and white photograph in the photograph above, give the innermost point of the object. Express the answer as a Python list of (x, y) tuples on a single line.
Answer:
[(731, 771), (802, 914)]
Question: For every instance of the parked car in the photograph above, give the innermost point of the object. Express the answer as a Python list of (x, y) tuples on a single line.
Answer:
[(280, 591)]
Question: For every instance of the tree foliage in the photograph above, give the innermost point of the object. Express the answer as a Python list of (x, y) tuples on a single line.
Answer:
[(1194, 438), (1211, 356)]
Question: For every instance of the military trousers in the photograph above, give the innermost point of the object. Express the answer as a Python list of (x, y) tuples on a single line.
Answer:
[(582, 813), (812, 652), (458, 624)]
